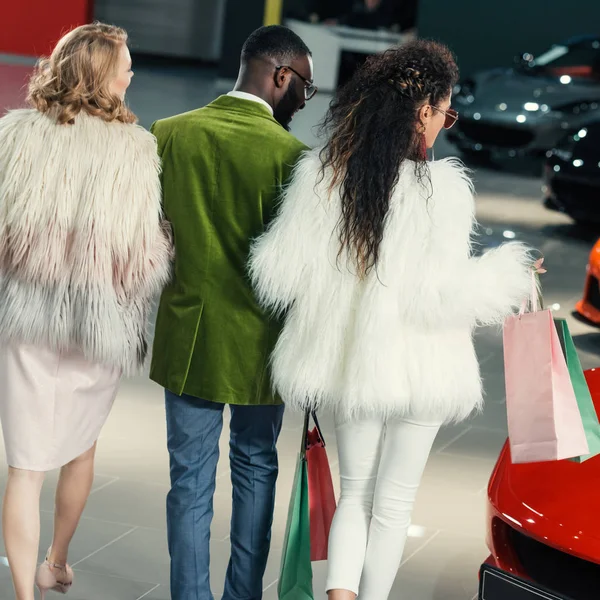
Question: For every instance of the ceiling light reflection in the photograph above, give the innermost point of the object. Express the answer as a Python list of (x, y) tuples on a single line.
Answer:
[(512, 519), (416, 531)]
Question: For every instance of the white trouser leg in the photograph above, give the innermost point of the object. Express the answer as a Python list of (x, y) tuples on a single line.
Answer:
[(359, 448), (405, 452), (380, 468)]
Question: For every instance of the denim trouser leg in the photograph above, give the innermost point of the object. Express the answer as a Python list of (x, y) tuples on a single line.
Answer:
[(254, 468), (193, 431)]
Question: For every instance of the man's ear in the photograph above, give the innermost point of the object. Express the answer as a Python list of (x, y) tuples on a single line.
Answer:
[(280, 77)]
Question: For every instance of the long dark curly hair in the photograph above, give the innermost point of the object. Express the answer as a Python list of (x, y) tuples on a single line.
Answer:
[(372, 128)]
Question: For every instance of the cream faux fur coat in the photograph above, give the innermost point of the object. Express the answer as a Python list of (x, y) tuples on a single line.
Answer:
[(83, 247), (400, 341)]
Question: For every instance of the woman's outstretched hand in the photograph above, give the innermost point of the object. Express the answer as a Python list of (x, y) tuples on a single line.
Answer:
[(538, 268)]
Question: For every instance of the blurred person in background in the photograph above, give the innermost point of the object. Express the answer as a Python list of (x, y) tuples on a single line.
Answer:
[(83, 249), (381, 304), (395, 15), (223, 166)]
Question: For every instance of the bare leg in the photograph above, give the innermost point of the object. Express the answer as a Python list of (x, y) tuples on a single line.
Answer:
[(72, 492), (340, 595), (21, 528)]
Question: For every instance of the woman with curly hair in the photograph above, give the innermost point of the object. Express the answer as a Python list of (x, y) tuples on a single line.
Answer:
[(83, 249), (370, 258)]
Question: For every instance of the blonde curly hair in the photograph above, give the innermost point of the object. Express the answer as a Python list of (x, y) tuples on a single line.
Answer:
[(77, 76)]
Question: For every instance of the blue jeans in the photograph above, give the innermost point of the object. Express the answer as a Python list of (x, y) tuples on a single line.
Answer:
[(193, 430)]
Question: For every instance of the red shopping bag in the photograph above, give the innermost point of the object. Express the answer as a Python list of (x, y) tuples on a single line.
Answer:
[(320, 491), (544, 422)]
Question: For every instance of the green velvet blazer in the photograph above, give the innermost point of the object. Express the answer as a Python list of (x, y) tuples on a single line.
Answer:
[(223, 167)]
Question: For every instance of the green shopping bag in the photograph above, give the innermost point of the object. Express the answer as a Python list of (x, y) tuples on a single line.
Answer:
[(295, 580), (582, 392)]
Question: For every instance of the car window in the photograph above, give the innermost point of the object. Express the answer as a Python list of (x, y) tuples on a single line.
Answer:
[(577, 61)]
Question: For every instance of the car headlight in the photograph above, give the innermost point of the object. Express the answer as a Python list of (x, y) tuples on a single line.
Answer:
[(576, 108), (464, 92)]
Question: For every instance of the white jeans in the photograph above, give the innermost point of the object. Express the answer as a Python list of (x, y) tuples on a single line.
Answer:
[(381, 465)]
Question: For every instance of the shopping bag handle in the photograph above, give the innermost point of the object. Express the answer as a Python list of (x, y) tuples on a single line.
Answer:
[(536, 301), (316, 422), (307, 415)]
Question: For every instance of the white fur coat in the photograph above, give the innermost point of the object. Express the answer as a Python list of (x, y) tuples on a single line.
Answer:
[(83, 246), (400, 341)]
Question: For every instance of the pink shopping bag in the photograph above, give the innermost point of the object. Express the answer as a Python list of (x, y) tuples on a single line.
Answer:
[(544, 422)]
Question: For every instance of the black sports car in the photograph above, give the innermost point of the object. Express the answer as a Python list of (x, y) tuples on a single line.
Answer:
[(528, 108), (572, 175)]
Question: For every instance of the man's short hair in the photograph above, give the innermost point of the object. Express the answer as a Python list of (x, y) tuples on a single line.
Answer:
[(274, 42)]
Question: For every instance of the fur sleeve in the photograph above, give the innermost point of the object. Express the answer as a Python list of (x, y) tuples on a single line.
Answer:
[(279, 259), (500, 282), (142, 261), (12, 128), (480, 289)]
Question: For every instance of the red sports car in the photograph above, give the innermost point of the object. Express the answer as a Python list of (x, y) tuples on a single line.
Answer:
[(544, 520), (589, 306)]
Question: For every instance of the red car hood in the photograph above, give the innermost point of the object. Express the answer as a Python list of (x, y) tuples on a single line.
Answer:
[(557, 503)]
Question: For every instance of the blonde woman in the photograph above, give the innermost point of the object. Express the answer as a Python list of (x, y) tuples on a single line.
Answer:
[(83, 249)]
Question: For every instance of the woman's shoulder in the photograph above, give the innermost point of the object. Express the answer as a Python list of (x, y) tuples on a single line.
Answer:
[(18, 115), (113, 144), (446, 173), (22, 120), (453, 172), (91, 129), (22, 131), (128, 133), (313, 176), (305, 177), (442, 185), (309, 162)]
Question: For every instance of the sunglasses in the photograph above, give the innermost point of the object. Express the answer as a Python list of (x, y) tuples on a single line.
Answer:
[(310, 89), (450, 114)]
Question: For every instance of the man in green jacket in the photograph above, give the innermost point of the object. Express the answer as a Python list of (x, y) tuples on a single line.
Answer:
[(223, 167)]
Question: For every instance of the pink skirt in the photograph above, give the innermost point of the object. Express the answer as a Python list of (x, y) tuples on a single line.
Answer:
[(52, 405)]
